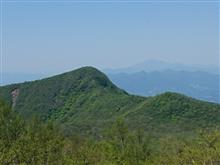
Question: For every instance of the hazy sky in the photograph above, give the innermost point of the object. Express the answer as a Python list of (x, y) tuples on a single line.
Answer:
[(52, 37)]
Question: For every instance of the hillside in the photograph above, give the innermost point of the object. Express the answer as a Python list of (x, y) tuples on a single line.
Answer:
[(35, 142), (86, 101)]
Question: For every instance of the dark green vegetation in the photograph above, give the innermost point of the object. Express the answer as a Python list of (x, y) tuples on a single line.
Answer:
[(85, 101), (51, 119), (34, 143)]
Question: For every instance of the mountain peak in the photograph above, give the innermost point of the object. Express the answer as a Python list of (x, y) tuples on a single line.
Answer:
[(167, 96), (50, 94), (89, 75), (87, 69)]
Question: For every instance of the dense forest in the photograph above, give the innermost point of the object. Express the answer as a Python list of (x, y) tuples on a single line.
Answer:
[(32, 142), (82, 118)]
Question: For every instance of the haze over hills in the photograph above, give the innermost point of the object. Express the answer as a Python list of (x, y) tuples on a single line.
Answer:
[(11, 78), (159, 65), (154, 77), (200, 85), (198, 81), (147, 66), (86, 101)]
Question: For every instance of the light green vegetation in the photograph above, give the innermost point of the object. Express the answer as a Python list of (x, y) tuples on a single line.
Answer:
[(25, 143)]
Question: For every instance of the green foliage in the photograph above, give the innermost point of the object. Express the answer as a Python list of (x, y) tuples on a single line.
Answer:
[(85, 102), (41, 144), (32, 143)]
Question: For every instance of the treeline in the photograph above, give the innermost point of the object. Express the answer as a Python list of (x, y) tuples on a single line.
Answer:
[(35, 143)]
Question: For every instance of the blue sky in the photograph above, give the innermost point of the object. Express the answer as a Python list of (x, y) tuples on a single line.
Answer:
[(53, 37)]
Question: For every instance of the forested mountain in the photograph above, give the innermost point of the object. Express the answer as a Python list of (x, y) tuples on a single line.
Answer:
[(200, 85), (85, 101), (45, 122)]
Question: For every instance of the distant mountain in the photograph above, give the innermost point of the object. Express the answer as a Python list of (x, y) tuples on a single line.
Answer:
[(200, 85), (85, 101), (158, 65)]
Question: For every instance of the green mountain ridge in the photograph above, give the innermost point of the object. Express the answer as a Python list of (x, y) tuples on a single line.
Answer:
[(85, 101)]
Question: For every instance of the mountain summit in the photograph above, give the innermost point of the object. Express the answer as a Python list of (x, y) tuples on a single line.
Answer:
[(86, 101)]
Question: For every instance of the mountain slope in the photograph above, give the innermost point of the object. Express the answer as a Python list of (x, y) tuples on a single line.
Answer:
[(172, 112), (50, 94), (82, 97), (86, 101)]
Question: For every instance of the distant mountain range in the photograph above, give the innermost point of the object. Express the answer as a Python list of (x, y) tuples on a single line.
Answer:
[(85, 101), (200, 85), (154, 77), (158, 65)]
